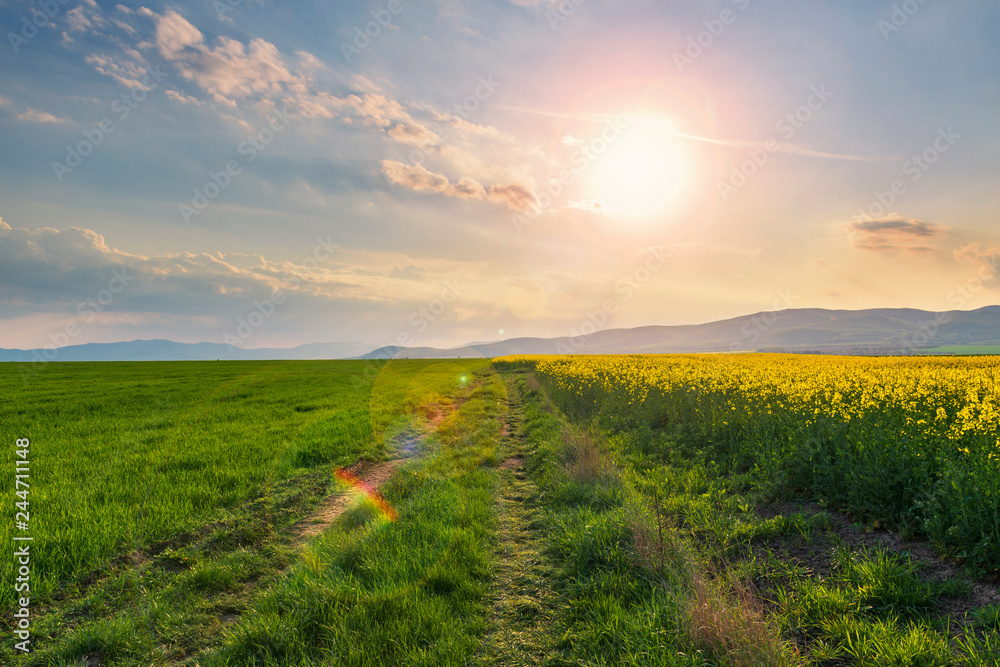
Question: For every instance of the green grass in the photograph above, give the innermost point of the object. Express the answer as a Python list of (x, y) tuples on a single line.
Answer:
[(409, 592), (741, 570), (405, 593), (908, 443), (875, 609), (141, 471), (604, 543), (525, 604), (613, 594), (963, 349)]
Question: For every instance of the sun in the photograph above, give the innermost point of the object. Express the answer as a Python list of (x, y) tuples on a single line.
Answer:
[(642, 169)]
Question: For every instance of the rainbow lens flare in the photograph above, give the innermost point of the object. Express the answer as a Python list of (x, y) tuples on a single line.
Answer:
[(372, 494)]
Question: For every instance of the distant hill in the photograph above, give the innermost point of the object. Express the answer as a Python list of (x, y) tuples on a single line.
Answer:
[(877, 331), (166, 350)]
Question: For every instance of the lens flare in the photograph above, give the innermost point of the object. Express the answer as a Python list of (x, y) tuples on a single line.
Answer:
[(374, 496)]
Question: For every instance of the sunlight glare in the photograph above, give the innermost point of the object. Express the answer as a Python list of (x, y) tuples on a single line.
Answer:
[(641, 170)]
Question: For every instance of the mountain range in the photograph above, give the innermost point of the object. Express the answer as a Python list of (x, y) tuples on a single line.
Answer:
[(874, 331)]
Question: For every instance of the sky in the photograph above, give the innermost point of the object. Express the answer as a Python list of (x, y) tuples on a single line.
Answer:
[(270, 174)]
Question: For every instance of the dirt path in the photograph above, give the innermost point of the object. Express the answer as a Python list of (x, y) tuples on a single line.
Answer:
[(367, 477), (522, 598), (363, 475)]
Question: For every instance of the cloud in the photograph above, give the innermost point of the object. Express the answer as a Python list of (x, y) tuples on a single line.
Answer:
[(791, 149), (894, 233), (516, 197), (51, 279), (411, 272), (897, 225), (230, 71), (233, 77), (770, 145), (175, 35), (413, 133), (587, 206), (416, 177), (37, 264), (376, 109), (468, 130), (129, 74), (36, 116), (84, 17), (47, 269), (182, 98), (233, 73), (987, 262), (972, 252)]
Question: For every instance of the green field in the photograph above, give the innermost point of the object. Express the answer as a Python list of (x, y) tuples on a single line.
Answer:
[(193, 514), (196, 466), (963, 349)]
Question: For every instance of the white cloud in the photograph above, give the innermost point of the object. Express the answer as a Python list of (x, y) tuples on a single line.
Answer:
[(181, 97), (85, 17), (127, 73), (37, 116), (416, 177), (174, 34), (413, 133), (587, 206), (234, 78), (51, 269)]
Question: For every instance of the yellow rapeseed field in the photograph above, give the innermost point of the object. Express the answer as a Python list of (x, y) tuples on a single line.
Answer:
[(911, 441)]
